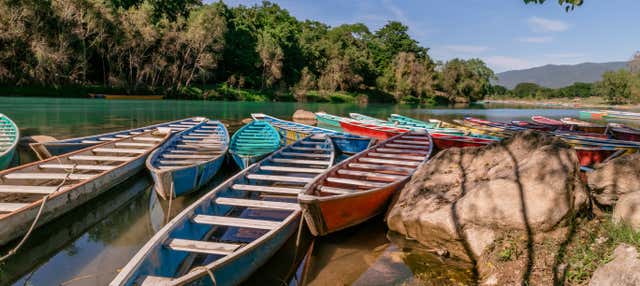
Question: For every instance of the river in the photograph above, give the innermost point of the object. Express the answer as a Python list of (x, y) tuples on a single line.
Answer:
[(90, 244)]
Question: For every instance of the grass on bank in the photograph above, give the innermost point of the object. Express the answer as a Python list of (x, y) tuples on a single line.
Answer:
[(593, 247)]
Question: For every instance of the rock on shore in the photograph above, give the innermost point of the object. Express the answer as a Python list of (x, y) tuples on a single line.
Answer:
[(305, 117), (623, 270), (466, 198), (614, 179)]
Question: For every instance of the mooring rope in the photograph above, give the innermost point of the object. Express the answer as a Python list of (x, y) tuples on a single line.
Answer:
[(35, 220)]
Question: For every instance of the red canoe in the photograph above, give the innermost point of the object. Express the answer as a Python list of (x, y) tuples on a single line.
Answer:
[(360, 187), (589, 156), (533, 125), (445, 141), (546, 121), (625, 133), (584, 126), (370, 130)]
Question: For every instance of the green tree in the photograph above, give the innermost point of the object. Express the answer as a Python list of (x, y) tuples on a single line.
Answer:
[(466, 80), (619, 87)]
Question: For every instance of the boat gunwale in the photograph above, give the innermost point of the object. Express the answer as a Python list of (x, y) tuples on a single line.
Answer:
[(272, 130)]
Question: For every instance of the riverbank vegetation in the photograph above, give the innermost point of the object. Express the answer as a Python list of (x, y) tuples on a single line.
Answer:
[(187, 49)]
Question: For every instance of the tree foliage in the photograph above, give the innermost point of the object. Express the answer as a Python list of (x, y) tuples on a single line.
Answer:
[(619, 87), (174, 46)]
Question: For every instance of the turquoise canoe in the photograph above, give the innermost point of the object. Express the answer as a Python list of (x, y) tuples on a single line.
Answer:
[(9, 135), (230, 232), (327, 119), (253, 142), (404, 120), (188, 160)]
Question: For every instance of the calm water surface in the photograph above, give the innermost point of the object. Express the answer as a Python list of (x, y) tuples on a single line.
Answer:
[(89, 245)]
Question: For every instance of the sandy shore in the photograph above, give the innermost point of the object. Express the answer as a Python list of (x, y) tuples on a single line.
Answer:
[(580, 103)]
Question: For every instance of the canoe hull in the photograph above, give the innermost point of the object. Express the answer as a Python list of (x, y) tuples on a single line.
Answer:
[(344, 144), (245, 161), (5, 160), (622, 134), (368, 132), (184, 181), (590, 157), (325, 216), (15, 225)]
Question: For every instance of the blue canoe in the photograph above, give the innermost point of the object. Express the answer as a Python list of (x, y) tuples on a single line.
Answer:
[(54, 148), (292, 131), (9, 135), (235, 228), (253, 142), (189, 159)]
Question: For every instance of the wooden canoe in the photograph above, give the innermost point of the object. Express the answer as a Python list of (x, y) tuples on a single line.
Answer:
[(548, 121), (494, 124), (188, 160), (368, 119), (291, 132), (235, 228), (69, 180), (371, 130), (615, 114), (624, 133), (583, 125), (327, 119), (446, 141), (533, 125), (408, 121), (9, 136), (49, 149), (253, 142), (591, 155), (360, 187)]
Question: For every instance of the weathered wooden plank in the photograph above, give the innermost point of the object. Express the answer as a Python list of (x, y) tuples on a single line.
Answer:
[(207, 247), (9, 207), (184, 156), (299, 162), (401, 151), (306, 155), (292, 169), (91, 141), (100, 158), (369, 174), (413, 142), (257, 204), (133, 144), (355, 182), (119, 150), (308, 149), (180, 162), (40, 190), (154, 139), (391, 162), (236, 222), (336, 191), (266, 189), (276, 178), (396, 156), (77, 167), (47, 176), (406, 146), (380, 167)]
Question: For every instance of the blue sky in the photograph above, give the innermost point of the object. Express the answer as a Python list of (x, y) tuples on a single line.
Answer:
[(506, 34)]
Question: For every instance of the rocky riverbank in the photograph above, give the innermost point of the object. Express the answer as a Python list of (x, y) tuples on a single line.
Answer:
[(521, 212)]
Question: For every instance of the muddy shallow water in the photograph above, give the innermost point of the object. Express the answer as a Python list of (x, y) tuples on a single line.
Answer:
[(89, 245)]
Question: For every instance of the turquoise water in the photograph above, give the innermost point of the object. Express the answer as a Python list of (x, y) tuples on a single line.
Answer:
[(89, 245)]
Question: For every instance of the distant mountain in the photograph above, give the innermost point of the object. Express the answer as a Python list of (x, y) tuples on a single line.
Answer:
[(555, 76)]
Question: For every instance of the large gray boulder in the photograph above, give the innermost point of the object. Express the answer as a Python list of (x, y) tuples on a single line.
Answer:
[(627, 210), (305, 117), (623, 270), (615, 178), (464, 198)]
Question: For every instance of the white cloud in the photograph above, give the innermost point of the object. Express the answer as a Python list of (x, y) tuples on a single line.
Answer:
[(535, 40), (539, 24), (502, 63), (466, 49)]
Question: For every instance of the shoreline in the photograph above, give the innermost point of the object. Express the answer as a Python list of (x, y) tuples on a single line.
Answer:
[(575, 104)]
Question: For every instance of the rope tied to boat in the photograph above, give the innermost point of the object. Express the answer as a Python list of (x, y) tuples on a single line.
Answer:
[(211, 276), (35, 220)]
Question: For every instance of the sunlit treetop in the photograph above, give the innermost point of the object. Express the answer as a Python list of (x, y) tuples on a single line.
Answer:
[(568, 4)]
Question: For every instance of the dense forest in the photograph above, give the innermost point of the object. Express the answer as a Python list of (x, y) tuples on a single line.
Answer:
[(187, 49)]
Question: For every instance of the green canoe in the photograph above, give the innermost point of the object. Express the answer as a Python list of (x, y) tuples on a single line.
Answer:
[(253, 142)]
